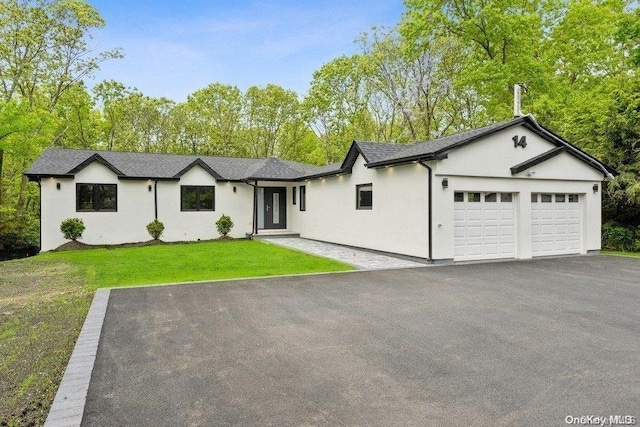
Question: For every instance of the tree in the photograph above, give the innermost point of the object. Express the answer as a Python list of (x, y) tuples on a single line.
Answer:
[(273, 121), (44, 52), (210, 122)]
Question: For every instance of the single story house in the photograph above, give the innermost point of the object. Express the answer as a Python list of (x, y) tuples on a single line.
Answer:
[(509, 190)]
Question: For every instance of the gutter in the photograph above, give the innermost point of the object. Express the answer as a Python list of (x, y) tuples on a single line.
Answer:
[(430, 210)]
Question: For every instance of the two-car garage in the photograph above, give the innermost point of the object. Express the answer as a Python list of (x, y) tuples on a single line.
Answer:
[(486, 224)]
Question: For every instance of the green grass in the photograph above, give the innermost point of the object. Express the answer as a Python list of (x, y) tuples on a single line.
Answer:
[(42, 307), (191, 262), (44, 300), (621, 253)]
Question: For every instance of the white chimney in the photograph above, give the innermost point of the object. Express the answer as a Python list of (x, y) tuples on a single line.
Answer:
[(516, 100)]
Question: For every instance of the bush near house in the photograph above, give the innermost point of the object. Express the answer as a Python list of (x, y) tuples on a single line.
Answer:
[(72, 228), (224, 225), (618, 238), (155, 228)]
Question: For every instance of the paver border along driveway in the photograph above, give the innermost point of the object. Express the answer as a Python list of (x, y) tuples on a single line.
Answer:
[(511, 343)]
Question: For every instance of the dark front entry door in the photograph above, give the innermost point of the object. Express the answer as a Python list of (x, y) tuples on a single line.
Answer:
[(275, 207)]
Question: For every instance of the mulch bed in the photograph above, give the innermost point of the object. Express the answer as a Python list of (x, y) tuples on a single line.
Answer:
[(75, 245)]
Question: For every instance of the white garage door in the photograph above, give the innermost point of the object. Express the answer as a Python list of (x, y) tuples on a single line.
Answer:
[(556, 224), (484, 226)]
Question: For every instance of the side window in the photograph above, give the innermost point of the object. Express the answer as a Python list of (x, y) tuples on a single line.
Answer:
[(293, 195), (364, 196), (197, 198), (96, 197), (303, 197)]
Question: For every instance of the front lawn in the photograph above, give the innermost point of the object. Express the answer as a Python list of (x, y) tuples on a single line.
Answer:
[(185, 262), (620, 253), (44, 300)]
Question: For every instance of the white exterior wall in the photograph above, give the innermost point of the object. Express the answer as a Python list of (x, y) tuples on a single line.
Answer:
[(397, 223), (485, 166), (128, 224), (187, 226), (136, 209)]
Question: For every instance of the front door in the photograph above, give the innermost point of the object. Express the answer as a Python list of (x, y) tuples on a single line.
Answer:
[(275, 207)]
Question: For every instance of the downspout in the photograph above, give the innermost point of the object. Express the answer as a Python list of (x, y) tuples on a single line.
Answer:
[(430, 210), (155, 197), (254, 227)]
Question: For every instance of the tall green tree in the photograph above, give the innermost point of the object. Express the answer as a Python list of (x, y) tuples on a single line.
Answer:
[(44, 51)]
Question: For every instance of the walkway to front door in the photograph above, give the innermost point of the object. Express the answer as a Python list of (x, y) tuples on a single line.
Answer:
[(363, 260)]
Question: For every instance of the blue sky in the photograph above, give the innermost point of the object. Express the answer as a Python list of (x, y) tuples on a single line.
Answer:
[(173, 48)]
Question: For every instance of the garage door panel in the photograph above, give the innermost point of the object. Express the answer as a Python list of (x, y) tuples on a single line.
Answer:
[(556, 226), (483, 229)]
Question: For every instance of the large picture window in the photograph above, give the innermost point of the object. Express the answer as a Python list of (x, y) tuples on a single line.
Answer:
[(96, 197), (364, 196), (197, 198), (303, 198)]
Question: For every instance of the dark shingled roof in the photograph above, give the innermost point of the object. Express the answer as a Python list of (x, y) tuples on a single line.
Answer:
[(58, 162)]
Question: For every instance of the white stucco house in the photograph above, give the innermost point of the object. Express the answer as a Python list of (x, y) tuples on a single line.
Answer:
[(509, 190)]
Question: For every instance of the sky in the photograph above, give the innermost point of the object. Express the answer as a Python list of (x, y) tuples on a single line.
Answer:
[(173, 48)]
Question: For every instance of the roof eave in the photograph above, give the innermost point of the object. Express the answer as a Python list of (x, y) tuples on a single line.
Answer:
[(408, 160), (35, 177)]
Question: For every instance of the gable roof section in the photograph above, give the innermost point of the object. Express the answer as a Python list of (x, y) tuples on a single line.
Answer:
[(438, 148), (203, 165), (67, 162)]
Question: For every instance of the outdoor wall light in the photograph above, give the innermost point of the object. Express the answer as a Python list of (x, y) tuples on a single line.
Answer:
[(595, 188), (445, 182), (57, 185), (149, 187), (234, 188)]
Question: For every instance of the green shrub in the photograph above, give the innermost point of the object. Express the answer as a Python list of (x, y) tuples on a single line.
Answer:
[(18, 233), (224, 225), (72, 228), (155, 228), (617, 238)]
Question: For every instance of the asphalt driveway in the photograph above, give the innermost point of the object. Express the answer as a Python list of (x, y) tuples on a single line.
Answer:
[(510, 343)]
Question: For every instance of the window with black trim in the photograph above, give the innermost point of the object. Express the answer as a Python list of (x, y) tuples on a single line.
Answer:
[(458, 196), (573, 198), (96, 197), (293, 195), (197, 198), (364, 196), (303, 198)]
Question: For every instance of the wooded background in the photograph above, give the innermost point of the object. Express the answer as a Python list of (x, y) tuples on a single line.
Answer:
[(448, 66)]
